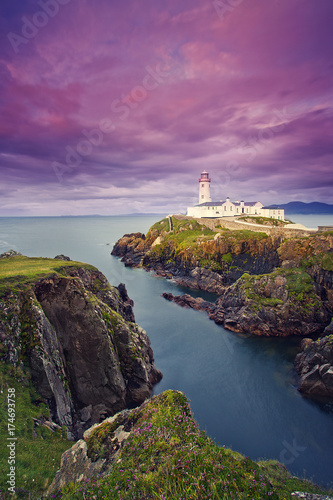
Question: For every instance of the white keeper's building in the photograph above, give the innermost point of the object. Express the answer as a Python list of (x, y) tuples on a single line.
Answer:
[(216, 209)]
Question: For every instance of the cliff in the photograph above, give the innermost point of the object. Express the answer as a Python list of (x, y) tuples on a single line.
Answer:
[(74, 335), (158, 451), (268, 282)]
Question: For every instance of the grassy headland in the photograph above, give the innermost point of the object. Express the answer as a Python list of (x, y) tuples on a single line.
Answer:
[(18, 270), (204, 244), (168, 457), (38, 449)]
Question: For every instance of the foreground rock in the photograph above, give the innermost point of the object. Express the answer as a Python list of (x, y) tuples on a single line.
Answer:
[(94, 455), (76, 334), (157, 449), (310, 496)]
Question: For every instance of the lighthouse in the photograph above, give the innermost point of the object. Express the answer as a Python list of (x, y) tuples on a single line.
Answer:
[(204, 188)]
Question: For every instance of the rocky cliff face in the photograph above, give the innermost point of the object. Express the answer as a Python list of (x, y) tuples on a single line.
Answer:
[(278, 304), (76, 335), (314, 365), (267, 286), (210, 262)]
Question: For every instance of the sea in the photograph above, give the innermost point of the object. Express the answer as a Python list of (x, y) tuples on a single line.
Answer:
[(242, 389)]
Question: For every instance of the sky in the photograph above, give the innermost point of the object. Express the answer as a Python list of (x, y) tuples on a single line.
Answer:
[(113, 107)]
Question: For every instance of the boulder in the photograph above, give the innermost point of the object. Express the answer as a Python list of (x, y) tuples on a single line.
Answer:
[(62, 257), (314, 364)]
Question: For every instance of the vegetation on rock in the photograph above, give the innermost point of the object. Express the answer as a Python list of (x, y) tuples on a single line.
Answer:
[(288, 283), (72, 352), (18, 272), (39, 444), (166, 456), (264, 221)]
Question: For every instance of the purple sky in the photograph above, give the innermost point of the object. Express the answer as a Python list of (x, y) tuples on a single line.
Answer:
[(111, 107)]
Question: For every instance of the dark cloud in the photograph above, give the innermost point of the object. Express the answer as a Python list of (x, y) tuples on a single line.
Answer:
[(247, 97)]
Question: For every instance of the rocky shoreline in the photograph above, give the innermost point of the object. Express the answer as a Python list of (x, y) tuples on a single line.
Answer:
[(265, 285)]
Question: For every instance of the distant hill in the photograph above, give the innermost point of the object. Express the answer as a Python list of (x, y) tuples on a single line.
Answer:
[(298, 207)]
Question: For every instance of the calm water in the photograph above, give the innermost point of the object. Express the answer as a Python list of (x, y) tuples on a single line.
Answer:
[(312, 220), (241, 389)]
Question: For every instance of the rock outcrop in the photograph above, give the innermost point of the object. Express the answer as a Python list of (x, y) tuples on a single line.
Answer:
[(132, 248), (273, 305), (310, 496), (270, 283), (267, 286), (190, 302), (158, 448), (76, 333), (314, 365), (94, 454)]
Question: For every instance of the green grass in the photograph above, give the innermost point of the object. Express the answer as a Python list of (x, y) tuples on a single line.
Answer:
[(267, 221), (168, 457), (227, 257), (160, 226), (327, 261), (246, 234), (19, 271), (299, 284), (190, 238), (187, 237), (38, 450), (179, 227)]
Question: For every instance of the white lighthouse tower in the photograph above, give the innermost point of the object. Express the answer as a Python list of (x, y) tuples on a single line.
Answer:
[(204, 188)]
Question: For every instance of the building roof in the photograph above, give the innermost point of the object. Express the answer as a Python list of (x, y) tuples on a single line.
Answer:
[(273, 208), (210, 204), (246, 203), (220, 203)]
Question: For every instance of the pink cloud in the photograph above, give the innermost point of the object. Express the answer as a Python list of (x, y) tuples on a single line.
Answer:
[(253, 88)]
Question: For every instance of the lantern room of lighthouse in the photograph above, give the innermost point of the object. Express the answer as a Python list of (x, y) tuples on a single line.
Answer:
[(204, 188)]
